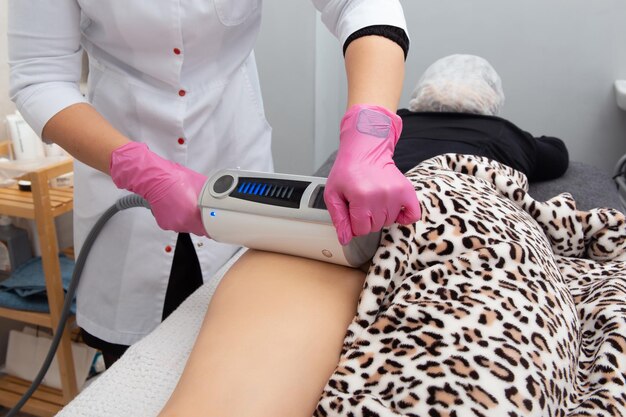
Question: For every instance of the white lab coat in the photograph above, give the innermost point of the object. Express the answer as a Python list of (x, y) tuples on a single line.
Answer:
[(179, 75)]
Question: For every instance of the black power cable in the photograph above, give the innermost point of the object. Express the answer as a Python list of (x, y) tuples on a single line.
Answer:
[(121, 204)]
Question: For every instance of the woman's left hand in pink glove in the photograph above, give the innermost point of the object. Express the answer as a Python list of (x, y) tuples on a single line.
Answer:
[(365, 191)]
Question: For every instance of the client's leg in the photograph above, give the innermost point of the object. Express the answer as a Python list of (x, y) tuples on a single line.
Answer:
[(270, 340)]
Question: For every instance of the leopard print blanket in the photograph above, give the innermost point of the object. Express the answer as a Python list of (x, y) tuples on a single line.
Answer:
[(494, 304)]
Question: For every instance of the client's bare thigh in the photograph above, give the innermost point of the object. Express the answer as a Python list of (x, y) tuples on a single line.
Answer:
[(270, 340)]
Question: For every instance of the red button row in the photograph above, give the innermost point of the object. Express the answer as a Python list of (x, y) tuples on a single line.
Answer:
[(177, 51), (181, 141)]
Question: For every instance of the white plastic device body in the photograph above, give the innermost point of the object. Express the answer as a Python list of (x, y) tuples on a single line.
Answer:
[(281, 213)]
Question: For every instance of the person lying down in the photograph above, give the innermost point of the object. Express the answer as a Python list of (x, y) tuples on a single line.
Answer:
[(494, 304)]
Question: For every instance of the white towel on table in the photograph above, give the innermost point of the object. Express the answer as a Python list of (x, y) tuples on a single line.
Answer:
[(140, 382)]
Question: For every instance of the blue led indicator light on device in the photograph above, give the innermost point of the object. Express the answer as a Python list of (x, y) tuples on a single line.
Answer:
[(255, 190), (241, 187), (246, 188), (212, 214), (263, 189)]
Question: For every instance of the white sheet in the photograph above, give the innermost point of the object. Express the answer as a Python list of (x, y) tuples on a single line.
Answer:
[(140, 382)]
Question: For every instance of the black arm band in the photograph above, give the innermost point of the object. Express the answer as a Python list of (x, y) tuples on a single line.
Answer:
[(393, 33)]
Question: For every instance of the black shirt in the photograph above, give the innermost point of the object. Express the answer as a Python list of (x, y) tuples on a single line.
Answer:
[(425, 135)]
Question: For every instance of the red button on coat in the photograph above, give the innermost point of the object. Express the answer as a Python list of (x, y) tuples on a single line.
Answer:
[(177, 51), (168, 249), (182, 93), (181, 141)]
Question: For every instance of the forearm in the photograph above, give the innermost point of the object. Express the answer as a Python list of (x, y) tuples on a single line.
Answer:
[(171, 189), (85, 134), (375, 71)]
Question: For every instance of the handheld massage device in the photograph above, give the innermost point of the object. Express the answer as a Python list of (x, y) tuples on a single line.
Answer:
[(279, 213)]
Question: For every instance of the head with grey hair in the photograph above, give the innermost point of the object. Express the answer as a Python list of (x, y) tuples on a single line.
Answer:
[(460, 84)]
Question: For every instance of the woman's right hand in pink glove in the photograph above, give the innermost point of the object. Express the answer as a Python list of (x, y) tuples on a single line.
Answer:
[(171, 189)]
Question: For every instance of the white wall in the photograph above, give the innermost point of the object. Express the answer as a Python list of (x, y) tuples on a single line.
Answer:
[(558, 60), (330, 93), (285, 55)]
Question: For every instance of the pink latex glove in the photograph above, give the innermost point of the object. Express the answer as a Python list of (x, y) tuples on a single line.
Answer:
[(171, 189), (365, 191)]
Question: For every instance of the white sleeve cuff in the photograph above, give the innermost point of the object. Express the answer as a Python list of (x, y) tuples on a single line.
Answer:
[(38, 104)]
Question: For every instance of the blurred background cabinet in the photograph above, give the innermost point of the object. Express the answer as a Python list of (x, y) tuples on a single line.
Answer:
[(42, 204)]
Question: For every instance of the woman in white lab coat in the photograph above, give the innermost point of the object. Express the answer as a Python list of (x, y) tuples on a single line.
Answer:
[(173, 95)]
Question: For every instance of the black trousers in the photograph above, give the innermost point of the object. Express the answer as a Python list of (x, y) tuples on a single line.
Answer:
[(185, 278)]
